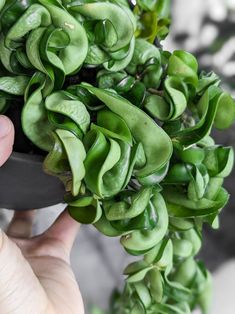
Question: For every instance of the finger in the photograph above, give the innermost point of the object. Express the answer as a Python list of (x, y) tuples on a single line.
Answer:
[(63, 230), (18, 281), (21, 225), (6, 138)]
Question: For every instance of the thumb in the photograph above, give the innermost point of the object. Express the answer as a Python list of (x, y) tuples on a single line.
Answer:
[(63, 230), (6, 138), (18, 283)]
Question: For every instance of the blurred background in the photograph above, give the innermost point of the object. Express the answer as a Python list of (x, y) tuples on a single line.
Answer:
[(207, 29)]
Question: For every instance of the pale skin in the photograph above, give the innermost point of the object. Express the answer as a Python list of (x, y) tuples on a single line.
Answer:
[(35, 272)]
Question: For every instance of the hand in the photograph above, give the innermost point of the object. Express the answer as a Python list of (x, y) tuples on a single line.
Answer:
[(35, 273), (6, 138)]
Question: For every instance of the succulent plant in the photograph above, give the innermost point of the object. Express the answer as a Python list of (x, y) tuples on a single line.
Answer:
[(126, 126)]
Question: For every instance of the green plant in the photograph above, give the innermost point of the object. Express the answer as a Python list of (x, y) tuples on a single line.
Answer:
[(131, 142)]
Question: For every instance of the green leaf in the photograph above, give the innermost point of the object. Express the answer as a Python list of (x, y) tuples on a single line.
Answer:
[(143, 128), (182, 248), (114, 14), (138, 275), (122, 210), (183, 65), (156, 285), (207, 108), (104, 226), (143, 293), (86, 210), (180, 206), (2, 3), (114, 126), (56, 162), (109, 161), (76, 155), (144, 240), (225, 115), (219, 161), (143, 52), (176, 93), (194, 155), (74, 54), (35, 123), (135, 267), (14, 85), (66, 104)]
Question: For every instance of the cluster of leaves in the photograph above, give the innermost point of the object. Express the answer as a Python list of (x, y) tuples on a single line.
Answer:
[(134, 149)]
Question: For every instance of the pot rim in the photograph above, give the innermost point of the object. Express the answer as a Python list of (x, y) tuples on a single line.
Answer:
[(30, 157)]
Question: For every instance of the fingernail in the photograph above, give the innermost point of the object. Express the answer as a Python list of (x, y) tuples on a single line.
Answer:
[(5, 126)]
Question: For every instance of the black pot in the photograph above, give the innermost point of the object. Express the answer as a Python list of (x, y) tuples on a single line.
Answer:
[(24, 185)]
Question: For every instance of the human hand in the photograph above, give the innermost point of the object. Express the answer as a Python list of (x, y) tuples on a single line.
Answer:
[(35, 273), (6, 138)]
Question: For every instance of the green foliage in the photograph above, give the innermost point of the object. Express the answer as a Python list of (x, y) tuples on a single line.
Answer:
[(127, 129)]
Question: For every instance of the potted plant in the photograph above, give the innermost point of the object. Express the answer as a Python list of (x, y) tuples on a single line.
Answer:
[(125, 126)]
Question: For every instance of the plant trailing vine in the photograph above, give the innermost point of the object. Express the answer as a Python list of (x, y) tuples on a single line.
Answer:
[(131, 142)]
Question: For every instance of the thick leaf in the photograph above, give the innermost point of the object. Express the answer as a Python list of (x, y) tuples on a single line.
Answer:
[(14, 85), (34, 116), (144, 240), (183, 65), (86, 210), (76, 155), (65, 104), (143, 129), (115, 14)]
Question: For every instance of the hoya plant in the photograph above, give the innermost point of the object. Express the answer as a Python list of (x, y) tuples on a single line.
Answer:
[(126, 126)]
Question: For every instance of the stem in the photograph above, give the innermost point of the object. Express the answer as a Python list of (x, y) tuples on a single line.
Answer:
[(156, 92)]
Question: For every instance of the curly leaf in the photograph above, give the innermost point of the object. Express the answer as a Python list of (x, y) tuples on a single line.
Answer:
[(219, 161), (145, 240), (35, 16), (180, 206), (115, 14), (207, 109), (14, 85), (65, 104), (142, 127), (86, 210), (225, 115), (76, 160), (35, 123), (183, 65), (74, 54), (122, 210)]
